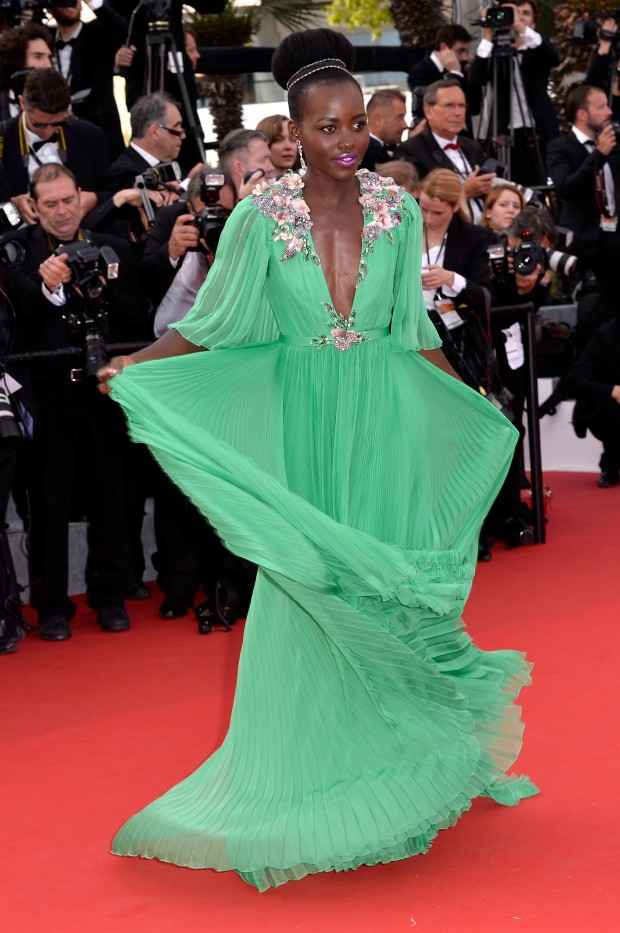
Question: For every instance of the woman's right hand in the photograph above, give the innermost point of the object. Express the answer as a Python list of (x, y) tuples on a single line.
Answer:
[(114, 368)]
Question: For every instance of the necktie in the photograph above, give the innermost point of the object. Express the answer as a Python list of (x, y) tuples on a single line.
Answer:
[(61, 44), (452, 146), (43, 142)]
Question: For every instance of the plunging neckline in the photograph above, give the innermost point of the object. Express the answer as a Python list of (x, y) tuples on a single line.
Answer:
[(321, 269)]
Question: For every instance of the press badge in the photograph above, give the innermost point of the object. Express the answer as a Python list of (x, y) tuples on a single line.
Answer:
[(449, 315)]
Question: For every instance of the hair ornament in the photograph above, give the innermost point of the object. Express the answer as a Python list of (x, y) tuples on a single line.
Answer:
[(313, 67)]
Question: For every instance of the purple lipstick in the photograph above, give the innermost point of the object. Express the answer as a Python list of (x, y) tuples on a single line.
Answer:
[(347, 159)]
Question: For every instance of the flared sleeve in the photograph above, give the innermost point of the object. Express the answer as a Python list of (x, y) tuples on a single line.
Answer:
[(412, 328), (231, 309)]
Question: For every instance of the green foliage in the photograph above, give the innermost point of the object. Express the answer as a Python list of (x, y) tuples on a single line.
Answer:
[(229, 28), (373, 15), (293, 14)]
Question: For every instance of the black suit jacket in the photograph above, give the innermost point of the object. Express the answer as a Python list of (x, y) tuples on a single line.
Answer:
[(155, 270), (41, 324), (92, 66), (573, 170), (466, 253), (425, 153), (123, 171), (535, 67), (376, 153), (86, 156)]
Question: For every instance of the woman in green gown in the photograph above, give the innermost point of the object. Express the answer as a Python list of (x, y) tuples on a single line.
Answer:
[(326, 440)]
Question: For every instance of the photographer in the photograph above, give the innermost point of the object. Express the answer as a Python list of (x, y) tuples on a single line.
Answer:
[(55, 314), (584, 165), (603, 70), (176, 260), (245, 155), (21, 48), (157, 133), (85, 53), (440, 143), (44, 132), (135, 52), (524, 109)]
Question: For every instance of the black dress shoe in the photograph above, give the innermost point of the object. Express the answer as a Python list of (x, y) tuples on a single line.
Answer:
[(173, 608), (607, 479), (113, 619), (54, 628), (138, 590)]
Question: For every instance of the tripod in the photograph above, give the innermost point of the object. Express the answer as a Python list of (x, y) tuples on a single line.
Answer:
[(496, 123), (161, 53)]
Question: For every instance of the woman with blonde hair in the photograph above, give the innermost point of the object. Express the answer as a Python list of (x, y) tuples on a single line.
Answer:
[(455, 271)]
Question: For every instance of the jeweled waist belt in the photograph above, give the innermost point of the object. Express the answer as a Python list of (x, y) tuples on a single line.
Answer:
[(339, 338)]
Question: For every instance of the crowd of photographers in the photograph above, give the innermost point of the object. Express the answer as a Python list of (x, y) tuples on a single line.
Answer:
[(104, 245)]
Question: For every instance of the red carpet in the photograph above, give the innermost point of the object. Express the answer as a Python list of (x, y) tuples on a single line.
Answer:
[(95, 728)]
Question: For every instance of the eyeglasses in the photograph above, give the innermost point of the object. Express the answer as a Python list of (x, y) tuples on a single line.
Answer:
[(170, 130), (43, 126), (452, 107)]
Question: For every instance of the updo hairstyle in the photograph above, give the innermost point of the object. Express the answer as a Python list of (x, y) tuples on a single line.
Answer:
[(306, 48), (442, 184)]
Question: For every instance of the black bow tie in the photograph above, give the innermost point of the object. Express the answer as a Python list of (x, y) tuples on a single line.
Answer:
[(61, 44), (43, 142)]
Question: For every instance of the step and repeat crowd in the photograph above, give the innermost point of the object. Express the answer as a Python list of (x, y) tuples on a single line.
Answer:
[(103, 245)]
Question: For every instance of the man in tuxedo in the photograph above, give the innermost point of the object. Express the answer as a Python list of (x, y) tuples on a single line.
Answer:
[(441, 145), (74, 424), (21, 48), (85, 54), (386, 121), (45, 132), (449, 58), (525, 112), (585, 167), (157, 133)]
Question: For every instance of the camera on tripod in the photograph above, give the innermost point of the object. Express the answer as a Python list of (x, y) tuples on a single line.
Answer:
[(12, 249), (211, 219), (498, 18), (89, 265)]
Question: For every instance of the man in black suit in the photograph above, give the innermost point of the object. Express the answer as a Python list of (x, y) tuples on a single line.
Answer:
[(441, 145), (386, 121), (157, 133), (449, 58), (25, 47), (45, 132), (85, 54), (525, 112), (71, 415), (585, 167)]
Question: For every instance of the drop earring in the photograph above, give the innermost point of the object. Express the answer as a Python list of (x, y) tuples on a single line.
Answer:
[(302, 161)]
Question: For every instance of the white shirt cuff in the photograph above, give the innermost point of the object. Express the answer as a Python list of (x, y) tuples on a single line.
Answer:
[(485, 48), (173, 262), (459, 284), (94, 4), (55, 295), (530, 38)]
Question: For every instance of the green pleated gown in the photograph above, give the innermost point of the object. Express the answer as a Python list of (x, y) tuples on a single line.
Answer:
[(365, 719)]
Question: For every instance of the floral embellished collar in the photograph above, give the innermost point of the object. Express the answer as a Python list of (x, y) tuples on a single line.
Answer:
[(282, 201)]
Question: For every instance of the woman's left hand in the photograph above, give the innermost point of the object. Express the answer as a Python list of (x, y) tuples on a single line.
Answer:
[(434, 276)]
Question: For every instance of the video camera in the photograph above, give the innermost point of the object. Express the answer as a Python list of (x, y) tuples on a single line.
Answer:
[(166, 175), (12, 249), (501, 20), (89, 264), (211, 219), (590, 30), (498, 18)]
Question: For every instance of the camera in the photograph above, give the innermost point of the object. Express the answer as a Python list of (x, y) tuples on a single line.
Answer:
[(160, 175), (499, 17), (590, 30), (89, 264), (530, 254), (12, 249), (211, 219)]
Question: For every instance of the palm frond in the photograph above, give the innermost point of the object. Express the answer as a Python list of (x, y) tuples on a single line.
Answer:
[(294, 14)]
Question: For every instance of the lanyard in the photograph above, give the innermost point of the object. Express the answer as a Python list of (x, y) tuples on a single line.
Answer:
[(442, 248)]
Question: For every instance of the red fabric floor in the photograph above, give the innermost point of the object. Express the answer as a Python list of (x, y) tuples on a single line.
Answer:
[(94, 728)]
